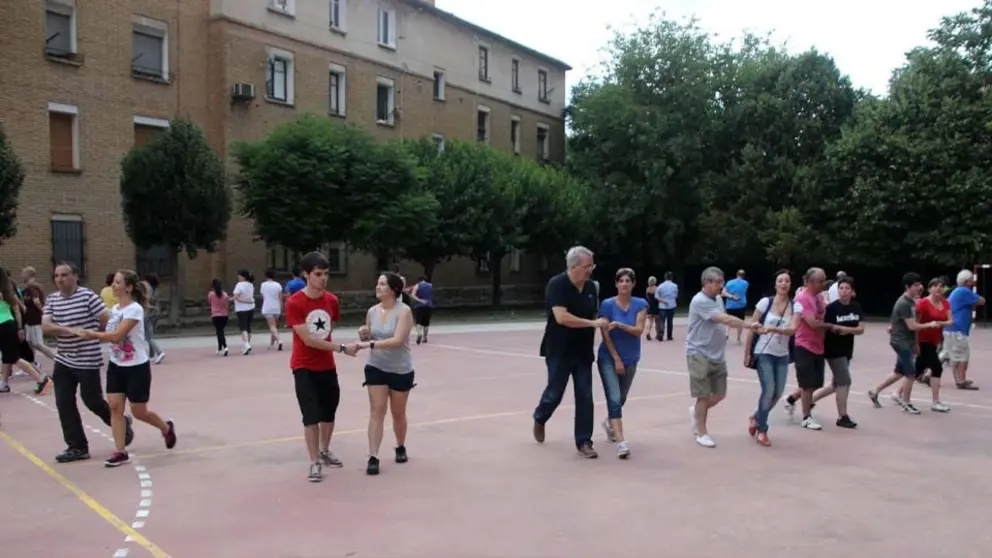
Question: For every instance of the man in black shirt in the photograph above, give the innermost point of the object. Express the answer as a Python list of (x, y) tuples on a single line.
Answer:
[(843, 319), (567, 346)]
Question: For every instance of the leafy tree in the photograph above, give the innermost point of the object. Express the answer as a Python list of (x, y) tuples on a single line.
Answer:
[(555, 209), (11, 180), (174, 193)]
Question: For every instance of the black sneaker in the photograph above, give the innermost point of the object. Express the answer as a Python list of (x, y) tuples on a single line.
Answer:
[(846, 422), (170, 436), (5, 388), (373, 466), (72, 454), (117, 459), (43, 386), (419, 339), (128, 430), (401, 456)]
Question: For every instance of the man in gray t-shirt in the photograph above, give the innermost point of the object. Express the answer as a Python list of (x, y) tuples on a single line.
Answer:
[(705, 341)]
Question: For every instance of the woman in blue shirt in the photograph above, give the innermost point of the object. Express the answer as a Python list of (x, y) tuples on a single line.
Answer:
[(620, 352)]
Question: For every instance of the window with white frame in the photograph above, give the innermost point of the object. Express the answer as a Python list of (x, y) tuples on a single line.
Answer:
[(543, 148), (542, 85), (150, 48), (515, 134), (279, 76), (284, 7), (60, 28), (385, 101), (387, 28), (63, 131), (337, 90), (515, 75), (338, 14), (482, 114), (439, 85), (483, 63), (438, 142)]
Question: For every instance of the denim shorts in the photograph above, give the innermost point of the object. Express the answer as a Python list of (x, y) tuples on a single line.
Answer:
[(905, 360)]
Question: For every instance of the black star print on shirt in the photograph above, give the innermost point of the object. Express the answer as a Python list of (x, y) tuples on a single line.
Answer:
[(319, 324)]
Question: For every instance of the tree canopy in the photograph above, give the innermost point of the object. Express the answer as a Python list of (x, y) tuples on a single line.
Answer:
[(11, 180)]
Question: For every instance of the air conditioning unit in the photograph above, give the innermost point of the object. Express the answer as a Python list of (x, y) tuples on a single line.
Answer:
[(243, 92)]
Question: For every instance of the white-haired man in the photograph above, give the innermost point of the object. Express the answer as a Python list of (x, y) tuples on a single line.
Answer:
[(957, 342), (567, 346)]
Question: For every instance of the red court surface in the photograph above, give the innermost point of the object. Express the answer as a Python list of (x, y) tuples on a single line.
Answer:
[(477, 485)]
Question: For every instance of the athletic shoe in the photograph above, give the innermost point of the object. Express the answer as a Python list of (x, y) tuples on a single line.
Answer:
[(810, 424), (623, 452), (373, 466), (608, 428), (43, 386), (128, 430), (910, 408), (328, 459), (762, 439), (316, 473), (873, 395), (117, 459), (401, 456), (705, 441), (170, 436), (72, 454), (939, 407), (585, 450), (160, 358), (897, 399), (846, 422), (752, 426)]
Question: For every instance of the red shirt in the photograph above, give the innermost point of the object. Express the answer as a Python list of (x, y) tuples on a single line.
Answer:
[(319, 315), (926, 312)]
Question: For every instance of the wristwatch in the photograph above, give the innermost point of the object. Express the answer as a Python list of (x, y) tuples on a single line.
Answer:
[(371, 345), (341, 348)]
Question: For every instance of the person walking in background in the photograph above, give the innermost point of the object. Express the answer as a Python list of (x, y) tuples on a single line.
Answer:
[(957, 336), (244, 307), (667, 296), (34, 303), (107, 292), (220, 305), (271, 292), (567, 346), (12, 337), (932, 308), (736, 294), (652, 308), (295, 284), (152, 313), (619, 353), (423, 307), (833, 290)]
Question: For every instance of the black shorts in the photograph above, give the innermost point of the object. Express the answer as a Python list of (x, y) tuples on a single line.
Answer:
[(422, 315), (739, 313), (395, 382), (318, 394), (929, 359), (135, 382), (10, 346), (245, 318), (26, 351), (810, 369)]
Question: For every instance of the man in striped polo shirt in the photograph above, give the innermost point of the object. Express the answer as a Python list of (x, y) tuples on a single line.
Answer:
[(77, 360)]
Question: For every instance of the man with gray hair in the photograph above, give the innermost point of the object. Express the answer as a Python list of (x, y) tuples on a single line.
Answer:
[(705, 344), (833, 293), (567, 346), (957, 340)]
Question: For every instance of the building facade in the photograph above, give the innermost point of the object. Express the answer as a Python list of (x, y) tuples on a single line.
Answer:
[(82, 82)]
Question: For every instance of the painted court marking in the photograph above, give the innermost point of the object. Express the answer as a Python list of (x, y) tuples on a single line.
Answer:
[(144, 478)]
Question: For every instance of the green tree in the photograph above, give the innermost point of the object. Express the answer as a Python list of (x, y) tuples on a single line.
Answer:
[(11, 180), (556, 209), (174, 193)]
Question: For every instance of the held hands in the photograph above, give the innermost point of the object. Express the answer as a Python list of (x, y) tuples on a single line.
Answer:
[(601, 323), (351, 349), (614, 325), (85, 333)]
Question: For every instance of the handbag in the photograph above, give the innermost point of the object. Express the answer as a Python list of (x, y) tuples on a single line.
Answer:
[(753, 363)]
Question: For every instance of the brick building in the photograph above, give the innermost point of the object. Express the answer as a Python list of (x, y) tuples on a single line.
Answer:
[(81, 82)]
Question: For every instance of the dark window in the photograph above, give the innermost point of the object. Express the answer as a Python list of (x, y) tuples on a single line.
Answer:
[(68, 243), (542, 85), (146, 54), (58, 33), (483, 63), (482, 126), (515, 75), (275, 79), (156, 259)]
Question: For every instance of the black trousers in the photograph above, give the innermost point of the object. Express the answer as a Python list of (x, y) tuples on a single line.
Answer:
[(67, 379), (220, 322), (666, 319)]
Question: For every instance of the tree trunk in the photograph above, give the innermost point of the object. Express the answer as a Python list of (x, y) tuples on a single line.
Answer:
[(177, 298), (496, 270)]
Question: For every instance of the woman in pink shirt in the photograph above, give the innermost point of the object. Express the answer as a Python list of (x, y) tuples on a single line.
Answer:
[(219, 305)]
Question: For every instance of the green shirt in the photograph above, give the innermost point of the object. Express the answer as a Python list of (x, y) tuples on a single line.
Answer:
[(6, 312)]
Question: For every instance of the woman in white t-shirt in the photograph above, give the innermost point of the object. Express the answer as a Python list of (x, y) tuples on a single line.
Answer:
[(129, 373), (769, 352), (244, 307), (271, 292)]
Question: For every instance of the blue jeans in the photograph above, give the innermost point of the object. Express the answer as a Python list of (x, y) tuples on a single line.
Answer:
[(616, 386), (905, 360), (773, 372), (559, 371)]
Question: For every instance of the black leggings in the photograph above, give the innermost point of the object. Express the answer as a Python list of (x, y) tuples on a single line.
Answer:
[(220, 322), (929, 359)]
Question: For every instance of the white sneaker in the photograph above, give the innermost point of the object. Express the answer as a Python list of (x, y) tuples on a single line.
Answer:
[(911, 409), (939, 407), (160, 358), (692, 418), (705, 441), (610, 434), (623, 452), (790, 408), (810, 424), (246, 350), (896, 399)]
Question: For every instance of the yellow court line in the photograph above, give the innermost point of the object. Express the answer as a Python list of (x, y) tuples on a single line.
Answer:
[(90, 502)]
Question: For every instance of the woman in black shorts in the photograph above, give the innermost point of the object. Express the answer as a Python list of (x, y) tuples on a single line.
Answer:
[(653, 312), (13, 346), (129, 374)]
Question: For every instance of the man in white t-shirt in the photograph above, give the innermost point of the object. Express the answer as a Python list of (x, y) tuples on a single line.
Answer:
[(272, 306)]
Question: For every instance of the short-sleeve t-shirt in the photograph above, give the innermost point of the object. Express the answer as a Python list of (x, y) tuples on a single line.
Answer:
[(775, 344), (847, 315), (295, 285), (806, 337), (628, 346), (319, 315), (738, 288), (245, 290), (569, 343), (82, 308), (32, 314), (132, 349), (962, 301), (704, 336), (926, 312), (271, 297), (902, 310)]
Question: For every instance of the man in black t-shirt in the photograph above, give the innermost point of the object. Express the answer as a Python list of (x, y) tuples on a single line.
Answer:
[(843, 319), (567, 346)]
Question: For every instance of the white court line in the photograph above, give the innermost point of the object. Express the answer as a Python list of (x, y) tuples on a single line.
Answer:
[(675, 372)]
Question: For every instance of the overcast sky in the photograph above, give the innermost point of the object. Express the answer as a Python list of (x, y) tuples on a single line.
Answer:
[(867, 38)]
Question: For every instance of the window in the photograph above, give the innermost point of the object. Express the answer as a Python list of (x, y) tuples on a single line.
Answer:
[(439, 142), (385, 101), (387, 28), (542, 142), (337, 91), (438, 85), (63, 130), (279, 76), (484, 63), (284, 7), (482, 265), (515, 134), (542, 85), (150, 49), (281, 259), (482, 124), (515, 257), (515, 75), (338, 9), (146, 128), (157, 259), (68, 241), (337, 255), (60, 29)]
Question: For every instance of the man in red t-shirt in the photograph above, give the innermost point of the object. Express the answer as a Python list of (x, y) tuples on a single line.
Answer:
[(311, 313)]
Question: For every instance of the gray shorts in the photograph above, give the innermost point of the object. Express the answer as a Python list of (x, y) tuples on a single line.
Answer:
[(840, 368)]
